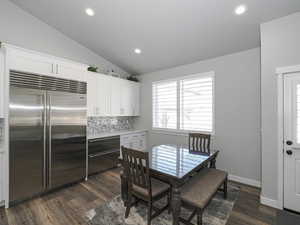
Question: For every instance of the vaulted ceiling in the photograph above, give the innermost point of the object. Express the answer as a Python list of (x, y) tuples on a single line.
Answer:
[(169, 32)]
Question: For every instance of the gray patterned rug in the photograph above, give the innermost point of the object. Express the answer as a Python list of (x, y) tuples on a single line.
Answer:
[(112, 213)]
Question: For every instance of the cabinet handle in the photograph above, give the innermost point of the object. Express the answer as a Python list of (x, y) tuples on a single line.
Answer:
[(56, 68), (52, 68)]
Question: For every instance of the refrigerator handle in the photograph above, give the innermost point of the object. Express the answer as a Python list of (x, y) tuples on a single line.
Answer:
[(50, 141), (45, 142)]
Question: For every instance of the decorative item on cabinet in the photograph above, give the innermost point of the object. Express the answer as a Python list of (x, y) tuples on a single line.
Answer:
[(92, 69), (114, 74), (133, 78)]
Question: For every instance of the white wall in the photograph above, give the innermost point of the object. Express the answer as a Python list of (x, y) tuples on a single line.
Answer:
[(19, 28), (280, 46), (237, 110)]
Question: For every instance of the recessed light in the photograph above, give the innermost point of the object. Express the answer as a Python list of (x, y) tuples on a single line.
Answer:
[(241, 9), (90, 12), (138, 51)]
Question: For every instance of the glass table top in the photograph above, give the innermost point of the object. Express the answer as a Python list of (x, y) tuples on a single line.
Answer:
[(176, 160)]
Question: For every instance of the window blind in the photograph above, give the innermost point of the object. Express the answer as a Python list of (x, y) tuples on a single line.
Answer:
[(196, 104), (184, 104), (164, 99)]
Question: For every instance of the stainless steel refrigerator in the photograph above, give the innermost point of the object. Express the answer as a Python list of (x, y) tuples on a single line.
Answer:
[(47, 132)]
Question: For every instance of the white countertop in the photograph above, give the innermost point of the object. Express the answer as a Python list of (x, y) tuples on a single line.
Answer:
[(115, 133)]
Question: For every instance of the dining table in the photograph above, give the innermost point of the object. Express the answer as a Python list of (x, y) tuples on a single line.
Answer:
[(175, 165)]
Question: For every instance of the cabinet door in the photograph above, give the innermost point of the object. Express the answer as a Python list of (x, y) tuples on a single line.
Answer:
[(103, 104), (143, 141), (125, 141), (115, 100), (70, 71), (98, 94), (126, 98), (31, 63), (135, 104), (92, 95)]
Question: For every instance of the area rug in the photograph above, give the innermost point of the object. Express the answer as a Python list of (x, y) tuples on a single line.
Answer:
[(112, 212)]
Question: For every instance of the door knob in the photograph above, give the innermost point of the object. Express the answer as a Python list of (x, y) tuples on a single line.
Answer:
[(289, 142), (289, 152)]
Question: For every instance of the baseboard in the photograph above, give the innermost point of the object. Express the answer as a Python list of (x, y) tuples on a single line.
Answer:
[(269, 202), (243, 180)]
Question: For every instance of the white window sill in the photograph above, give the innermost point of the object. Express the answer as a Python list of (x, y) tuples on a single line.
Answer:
[(176, 132)]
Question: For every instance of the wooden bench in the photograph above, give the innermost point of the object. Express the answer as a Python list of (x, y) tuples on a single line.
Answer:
[(198, 192)]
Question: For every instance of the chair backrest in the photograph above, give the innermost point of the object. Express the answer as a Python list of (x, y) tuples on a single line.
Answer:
[(199, 142), (136, 165)]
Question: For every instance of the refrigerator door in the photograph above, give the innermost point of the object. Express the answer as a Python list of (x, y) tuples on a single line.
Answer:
[(27, 142), (67, 138)]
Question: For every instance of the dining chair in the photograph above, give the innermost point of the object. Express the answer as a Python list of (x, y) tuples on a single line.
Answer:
[(140, 185), (199, 142)]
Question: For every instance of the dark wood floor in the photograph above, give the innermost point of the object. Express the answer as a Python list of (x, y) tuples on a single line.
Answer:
[(68, 206)]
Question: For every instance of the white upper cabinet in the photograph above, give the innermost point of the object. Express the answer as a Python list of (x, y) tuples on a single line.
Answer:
[(92, 95), (31, 63), (38, 63), (126, 98), (110, 96), (98, 94), (70, 71), (135, 103), (115, 100)]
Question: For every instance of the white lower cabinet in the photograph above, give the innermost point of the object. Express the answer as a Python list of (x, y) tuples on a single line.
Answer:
[(137, 141)]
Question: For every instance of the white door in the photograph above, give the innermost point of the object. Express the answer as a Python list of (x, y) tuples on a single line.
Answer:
[(292, 142)]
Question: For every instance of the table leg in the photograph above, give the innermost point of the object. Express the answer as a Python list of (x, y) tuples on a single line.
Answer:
[(176, 205), (124, 187), (213, 163)]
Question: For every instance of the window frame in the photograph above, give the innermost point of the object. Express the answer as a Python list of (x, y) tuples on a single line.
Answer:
[(179, 131)]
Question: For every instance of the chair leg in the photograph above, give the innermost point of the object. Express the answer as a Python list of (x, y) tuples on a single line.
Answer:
[(169, 202), (128, 205), (149, 217), (225, 188), (199, 217)]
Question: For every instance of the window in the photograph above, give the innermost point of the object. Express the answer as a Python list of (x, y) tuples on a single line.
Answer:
[(165, 105), (184, 104)]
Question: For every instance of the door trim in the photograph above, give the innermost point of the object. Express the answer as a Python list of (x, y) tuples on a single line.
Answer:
[(281, 72)]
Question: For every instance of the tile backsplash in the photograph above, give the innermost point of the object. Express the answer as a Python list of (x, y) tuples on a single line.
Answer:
[(97, 125)]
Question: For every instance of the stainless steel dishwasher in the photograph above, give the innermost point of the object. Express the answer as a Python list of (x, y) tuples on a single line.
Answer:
[(103, 154)]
